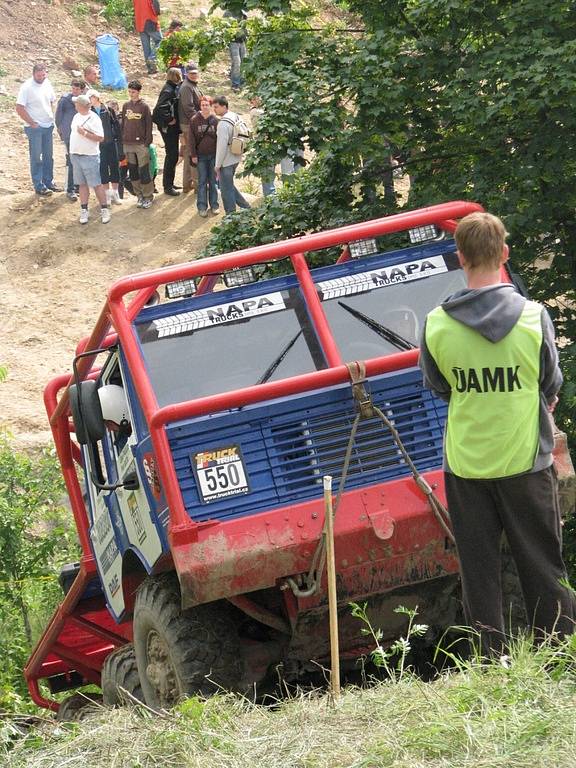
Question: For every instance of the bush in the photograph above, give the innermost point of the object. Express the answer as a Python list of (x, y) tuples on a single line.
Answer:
[(121, 12)]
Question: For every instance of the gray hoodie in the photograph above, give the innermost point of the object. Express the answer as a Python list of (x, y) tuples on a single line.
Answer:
[(493, 312)]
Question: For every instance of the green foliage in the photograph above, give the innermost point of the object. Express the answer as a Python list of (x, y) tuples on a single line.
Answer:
[(34, 541), (120, 12), (201, 43), (394, 658)]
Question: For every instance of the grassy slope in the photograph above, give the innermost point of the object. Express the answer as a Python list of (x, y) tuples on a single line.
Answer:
[(516, 717)]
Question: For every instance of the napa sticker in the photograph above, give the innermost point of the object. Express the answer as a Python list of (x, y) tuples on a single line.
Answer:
[(218, 315), (383, 277), (220, 473)]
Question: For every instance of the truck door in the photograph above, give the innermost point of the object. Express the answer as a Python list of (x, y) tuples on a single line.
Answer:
[(122, 518)]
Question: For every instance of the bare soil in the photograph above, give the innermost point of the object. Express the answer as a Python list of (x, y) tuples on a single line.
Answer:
[(54, 273)]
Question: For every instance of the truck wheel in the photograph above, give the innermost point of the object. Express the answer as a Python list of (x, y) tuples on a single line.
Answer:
[(182, 653), (120, 681), (78, 706)]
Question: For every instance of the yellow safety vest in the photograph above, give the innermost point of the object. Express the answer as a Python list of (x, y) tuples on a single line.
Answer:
[(493, 416)]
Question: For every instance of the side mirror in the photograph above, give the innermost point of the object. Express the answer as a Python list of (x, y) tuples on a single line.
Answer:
[(86, 412)]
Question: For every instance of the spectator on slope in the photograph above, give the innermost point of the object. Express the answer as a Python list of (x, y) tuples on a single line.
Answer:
[(125, 182), (226, 162), (34, 105), (202, 144), (65, 113), (91, 75), (188, 105), (86, 134), (109, 162), (237, 49), (146, 13), (165, 115), (137, 138)]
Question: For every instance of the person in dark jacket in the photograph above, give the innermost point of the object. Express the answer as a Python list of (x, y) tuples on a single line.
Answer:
[(188, 104), (165, 115), (109, 163), (202, 148), (65, 111)]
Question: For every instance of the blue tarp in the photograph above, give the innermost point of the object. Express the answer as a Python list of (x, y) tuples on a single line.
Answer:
[(111, 73)]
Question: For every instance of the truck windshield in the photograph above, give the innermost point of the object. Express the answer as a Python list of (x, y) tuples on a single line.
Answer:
[(232, 345), (381, 311)]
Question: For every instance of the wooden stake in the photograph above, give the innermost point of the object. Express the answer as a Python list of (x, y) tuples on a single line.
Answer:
[(332, 596)]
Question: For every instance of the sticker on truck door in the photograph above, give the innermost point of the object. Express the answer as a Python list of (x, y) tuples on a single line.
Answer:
[(220, 473)]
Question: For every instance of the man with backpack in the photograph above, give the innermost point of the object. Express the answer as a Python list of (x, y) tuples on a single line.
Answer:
[(188, 105), (229, 148)]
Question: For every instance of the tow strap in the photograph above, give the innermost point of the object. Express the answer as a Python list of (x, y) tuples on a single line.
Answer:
[(365, 409)]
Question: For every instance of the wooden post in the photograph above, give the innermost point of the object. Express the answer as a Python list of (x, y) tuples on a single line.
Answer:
[(332, 596)]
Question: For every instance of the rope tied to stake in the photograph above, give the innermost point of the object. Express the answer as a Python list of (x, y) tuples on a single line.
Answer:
[(366, 410)]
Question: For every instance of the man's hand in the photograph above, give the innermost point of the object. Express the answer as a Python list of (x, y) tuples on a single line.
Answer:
[(552, 404), (194, 160), (217, 172)]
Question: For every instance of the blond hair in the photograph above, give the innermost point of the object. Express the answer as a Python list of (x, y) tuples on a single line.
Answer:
[(480, 238), (173, 75)]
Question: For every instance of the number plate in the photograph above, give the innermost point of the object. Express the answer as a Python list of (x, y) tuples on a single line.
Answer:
[(220, 473)]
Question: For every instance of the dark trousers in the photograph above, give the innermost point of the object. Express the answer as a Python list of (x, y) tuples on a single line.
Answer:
[(109, 163), (171, 159), (526, 509)]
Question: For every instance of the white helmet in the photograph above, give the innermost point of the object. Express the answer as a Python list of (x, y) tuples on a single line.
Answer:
[(113, 404)]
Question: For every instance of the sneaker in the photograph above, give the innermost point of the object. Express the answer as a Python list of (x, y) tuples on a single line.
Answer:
[(215, 211), (44, 192), (172, 192), (203, 213), (147, 202), (116, 199), (83, 216), (54, 188), (72, 196), (140, 202), (105, 215)]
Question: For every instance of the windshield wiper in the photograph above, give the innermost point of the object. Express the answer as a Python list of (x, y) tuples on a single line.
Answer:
[(386, 333), (276, 362)]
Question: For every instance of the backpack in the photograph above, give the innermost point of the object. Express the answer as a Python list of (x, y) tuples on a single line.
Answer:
[(240, 135)]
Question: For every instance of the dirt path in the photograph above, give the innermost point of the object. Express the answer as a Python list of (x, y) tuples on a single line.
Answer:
[(54, 273)]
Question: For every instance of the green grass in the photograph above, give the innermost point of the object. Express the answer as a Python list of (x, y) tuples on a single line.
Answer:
[(480, 716)]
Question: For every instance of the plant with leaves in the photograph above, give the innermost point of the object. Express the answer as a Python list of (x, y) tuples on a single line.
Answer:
[(34, 541), (394, 658)]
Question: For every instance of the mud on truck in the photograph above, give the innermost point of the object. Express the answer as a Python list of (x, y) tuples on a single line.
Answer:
[(194, 433)]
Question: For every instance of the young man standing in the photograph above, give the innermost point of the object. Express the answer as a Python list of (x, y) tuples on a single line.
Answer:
[(137, 138), (34, 105), (490, 353), (86, 133), (65, 113), (226, 162)]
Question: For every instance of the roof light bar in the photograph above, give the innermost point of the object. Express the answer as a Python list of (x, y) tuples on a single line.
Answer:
[(239, 276), (180, 289), (359, 248), (425, 233)]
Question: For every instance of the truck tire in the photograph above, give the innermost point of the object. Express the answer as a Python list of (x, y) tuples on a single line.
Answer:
[(78, 706), (120, 681), (182, 653)]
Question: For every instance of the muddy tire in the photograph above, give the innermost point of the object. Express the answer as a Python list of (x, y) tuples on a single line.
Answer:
[(120, 681), (182, 653), (78, 706)]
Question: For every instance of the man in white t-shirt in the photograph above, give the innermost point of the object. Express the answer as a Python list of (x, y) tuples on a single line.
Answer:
[(86, 133), (35, 106)]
